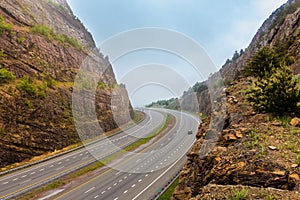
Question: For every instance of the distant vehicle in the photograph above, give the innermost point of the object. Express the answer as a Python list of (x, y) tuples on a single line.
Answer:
[(190, 132)]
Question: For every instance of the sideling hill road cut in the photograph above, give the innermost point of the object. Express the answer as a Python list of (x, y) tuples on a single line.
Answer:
[(139, 174)]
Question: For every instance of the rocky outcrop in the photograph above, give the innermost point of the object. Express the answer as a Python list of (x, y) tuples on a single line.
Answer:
[(282, 28), (53, 13), (36, 115), (251, 152), (283, 24)]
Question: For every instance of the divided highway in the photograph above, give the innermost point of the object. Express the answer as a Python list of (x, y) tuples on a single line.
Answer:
[(137, 176)]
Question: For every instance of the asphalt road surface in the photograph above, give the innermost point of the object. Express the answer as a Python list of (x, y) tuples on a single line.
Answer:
[(141, 175), (21, 181)]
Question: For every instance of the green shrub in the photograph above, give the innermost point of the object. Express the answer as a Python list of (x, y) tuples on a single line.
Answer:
[(42, 94), (297, 79), (2, 54), (4, 26), (6, 76), (276, 93), (262, 63), (239, 194), (274, 89), (51, 34), (297, 159), (27, 86), (50, 82), (72, 41), (42, 30), (60, 37), (27, 103), (21, 40), (102, 85)]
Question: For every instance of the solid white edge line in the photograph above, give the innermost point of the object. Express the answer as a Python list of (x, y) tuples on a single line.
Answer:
[(52, 194), (163, 173)]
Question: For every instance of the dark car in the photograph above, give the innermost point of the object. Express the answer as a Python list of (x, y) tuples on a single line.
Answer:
[(190, 132)]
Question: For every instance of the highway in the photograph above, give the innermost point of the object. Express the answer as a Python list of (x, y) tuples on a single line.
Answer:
[(142, 174), (21, 181), (138, 175)]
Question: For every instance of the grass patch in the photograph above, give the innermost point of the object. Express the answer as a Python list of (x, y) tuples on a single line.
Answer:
[(4, 27), (297, 159), (239, 194), (6, 76), (52, 35), (2, 54), (168, 193), (146, 140), (101, 163), (26, 84), (21, 40)]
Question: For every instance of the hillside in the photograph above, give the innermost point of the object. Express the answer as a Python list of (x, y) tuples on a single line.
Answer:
[(42, 47), (256, 155)]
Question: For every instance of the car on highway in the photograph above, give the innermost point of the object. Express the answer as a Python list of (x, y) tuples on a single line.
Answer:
[(190, 132)]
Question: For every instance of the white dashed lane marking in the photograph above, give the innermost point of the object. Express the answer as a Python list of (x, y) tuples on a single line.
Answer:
[(59, 168), (89, 190), (25, 181)]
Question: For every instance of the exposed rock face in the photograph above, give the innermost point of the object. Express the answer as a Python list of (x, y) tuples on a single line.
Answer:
[(249, 150), (243, 155), (281, 26), (36, 115), (53, 13), (278, 27)]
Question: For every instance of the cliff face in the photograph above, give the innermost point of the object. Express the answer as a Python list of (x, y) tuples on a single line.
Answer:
[(283, 24), (255, 156), (282, 28), (43, 45)]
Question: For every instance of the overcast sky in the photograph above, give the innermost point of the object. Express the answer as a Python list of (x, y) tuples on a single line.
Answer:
[(219, 26)]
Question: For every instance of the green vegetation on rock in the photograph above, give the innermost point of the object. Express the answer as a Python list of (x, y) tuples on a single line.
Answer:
[(28, 85), (4, 26), (6, 76), (57, 5), (239, 194), (274, 89), (52, 35)]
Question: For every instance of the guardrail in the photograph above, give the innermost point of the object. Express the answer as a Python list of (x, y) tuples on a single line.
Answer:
[(166, 187)]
